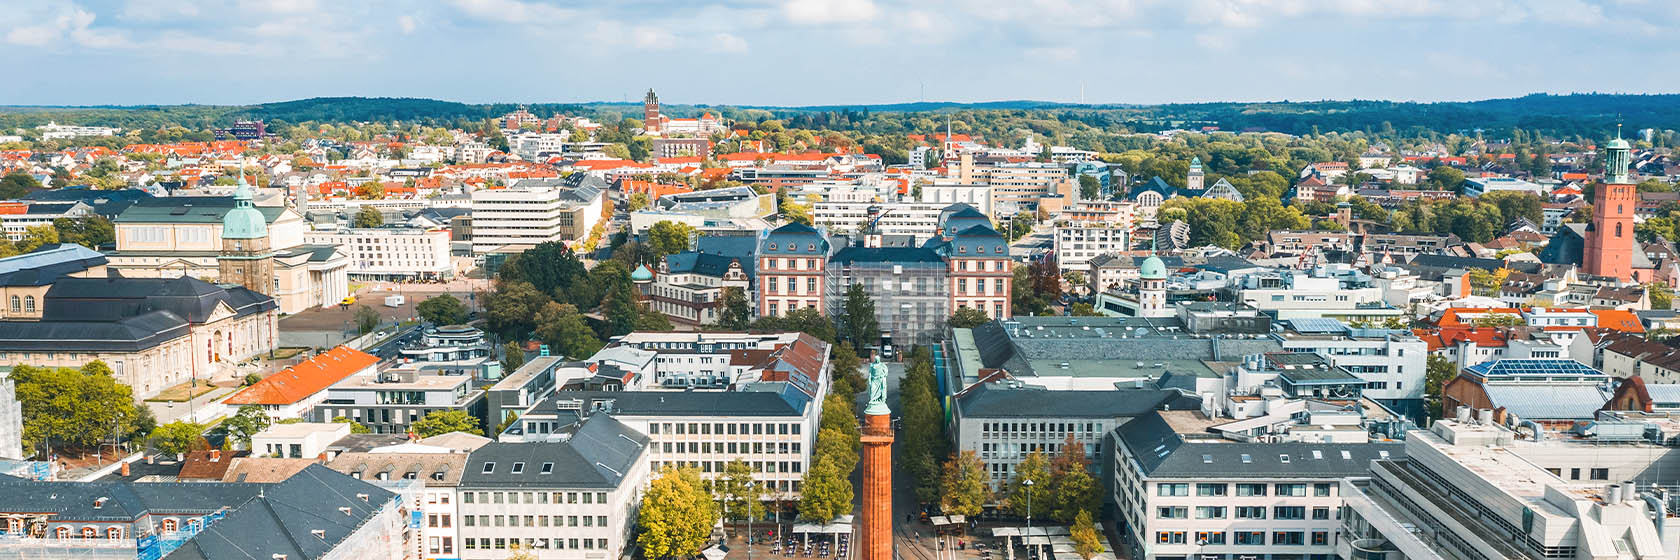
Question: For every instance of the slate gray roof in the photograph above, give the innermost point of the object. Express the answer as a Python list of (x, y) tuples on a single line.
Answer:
[(999, 348), (124, 314), (283, 519), (1163, 453), (598, 455), (700, 263), (854, 254), (991, 401), (794, 239), (116, 297), (186, 210), (47, 264), (105, 203), (126, 501)]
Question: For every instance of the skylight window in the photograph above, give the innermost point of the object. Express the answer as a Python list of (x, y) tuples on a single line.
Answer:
[(489, 467), (518, 468), (547, 468), (1207, 459), (1283, 459), (1246, 459)]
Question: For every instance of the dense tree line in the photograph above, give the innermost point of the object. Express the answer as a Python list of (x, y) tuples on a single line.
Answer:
[(545, 292)]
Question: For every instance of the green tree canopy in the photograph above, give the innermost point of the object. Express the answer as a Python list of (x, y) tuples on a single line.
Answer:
[(368, 217), (736, 314), (355, 427), (861, 328), (245, 423), (826, 493), (968, 318), (179, 437), (737, 488), (562, 328), (966, 487), (668, 238), (676, 515), (74, 407), (445, 421), (1031, 499), (442, 309)]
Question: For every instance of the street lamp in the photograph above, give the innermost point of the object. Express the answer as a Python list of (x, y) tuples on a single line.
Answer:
[(1025, 540), (749, 486)]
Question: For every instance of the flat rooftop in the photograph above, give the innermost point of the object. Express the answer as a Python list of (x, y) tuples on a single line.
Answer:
[(420, 383)]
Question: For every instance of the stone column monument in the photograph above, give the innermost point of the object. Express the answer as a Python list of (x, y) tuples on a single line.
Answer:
[(877, 468)]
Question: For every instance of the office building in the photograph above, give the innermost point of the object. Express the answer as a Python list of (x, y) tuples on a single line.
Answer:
[(390, 253), (536, 211)]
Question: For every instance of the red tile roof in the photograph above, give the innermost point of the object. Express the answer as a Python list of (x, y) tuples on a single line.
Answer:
[(298, 382), (1449, 337)]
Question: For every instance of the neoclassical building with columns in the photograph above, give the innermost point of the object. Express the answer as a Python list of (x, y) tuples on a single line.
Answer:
[(154, 333)]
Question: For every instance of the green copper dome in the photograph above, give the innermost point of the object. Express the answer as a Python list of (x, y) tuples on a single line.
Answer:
[(642, 274), (1153, 269), (244, 221)]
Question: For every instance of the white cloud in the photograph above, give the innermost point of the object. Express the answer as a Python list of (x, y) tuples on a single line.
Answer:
[(727, 43), (826, 12), (71, 23), (406, 23), (651, 38), (513, 11), (1053, 54)]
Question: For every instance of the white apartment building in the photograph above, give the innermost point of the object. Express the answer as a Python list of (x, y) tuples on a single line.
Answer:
[(1078, 242), (528, 215), (533, 146), (1184, 493), (1295, 294), (1393, 363), (392, 253), (16, 225), (918, 219), (572, 496), (978, 195), (55, 131)]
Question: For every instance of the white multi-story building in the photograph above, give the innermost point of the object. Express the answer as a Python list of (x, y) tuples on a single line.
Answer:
[(1002, 423), (571, 496), (918, 219), (390, 253), (1338, 294), (1471, 489), (1182, 492), (1393, 362), (1078, 242), (16, 225), (769, 419), (978, 195), (533, 212), (55, 131)]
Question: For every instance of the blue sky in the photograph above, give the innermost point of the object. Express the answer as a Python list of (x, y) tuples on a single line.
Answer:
[(806, 52)]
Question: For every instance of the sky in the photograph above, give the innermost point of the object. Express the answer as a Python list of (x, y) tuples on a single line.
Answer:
[(818, 52)]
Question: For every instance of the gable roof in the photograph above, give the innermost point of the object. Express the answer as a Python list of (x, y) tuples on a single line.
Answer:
[(1161, 452), (282, 519), (597, 455), (298, 382)]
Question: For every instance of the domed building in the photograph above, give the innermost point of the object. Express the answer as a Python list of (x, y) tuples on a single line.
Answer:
[(246, 259)]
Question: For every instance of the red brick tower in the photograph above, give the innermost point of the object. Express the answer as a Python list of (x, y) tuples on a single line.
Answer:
[(877, 487), (1609, 243), (650, 113)]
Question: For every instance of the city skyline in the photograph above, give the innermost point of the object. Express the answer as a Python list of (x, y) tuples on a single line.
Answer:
[(820, 52)]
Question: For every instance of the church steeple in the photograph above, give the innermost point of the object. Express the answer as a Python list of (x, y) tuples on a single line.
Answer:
[(1616, 159)]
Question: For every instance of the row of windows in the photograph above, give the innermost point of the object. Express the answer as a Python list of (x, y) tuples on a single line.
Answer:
[(1245, 538), (732, 447), (1034, 428), (533, 544), (1243, 489), (532, 497), (530, 521), (719, 428), (717, 466), (27, 307), (1241, 512)]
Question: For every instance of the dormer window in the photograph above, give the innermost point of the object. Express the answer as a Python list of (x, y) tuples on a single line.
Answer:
[(772, 246)]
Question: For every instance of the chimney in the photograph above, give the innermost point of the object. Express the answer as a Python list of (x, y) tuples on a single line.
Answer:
[(125, 469), (215, 455)]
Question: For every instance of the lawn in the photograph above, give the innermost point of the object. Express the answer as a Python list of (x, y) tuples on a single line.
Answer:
[(287, 353), (180, 393)]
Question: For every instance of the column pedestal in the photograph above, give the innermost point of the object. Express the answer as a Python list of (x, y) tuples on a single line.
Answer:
[(877, 488)]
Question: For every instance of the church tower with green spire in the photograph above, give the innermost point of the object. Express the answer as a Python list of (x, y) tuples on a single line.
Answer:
[(246, 258)]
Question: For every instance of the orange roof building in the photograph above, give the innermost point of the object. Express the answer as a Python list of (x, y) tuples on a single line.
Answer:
[(294, 390)]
